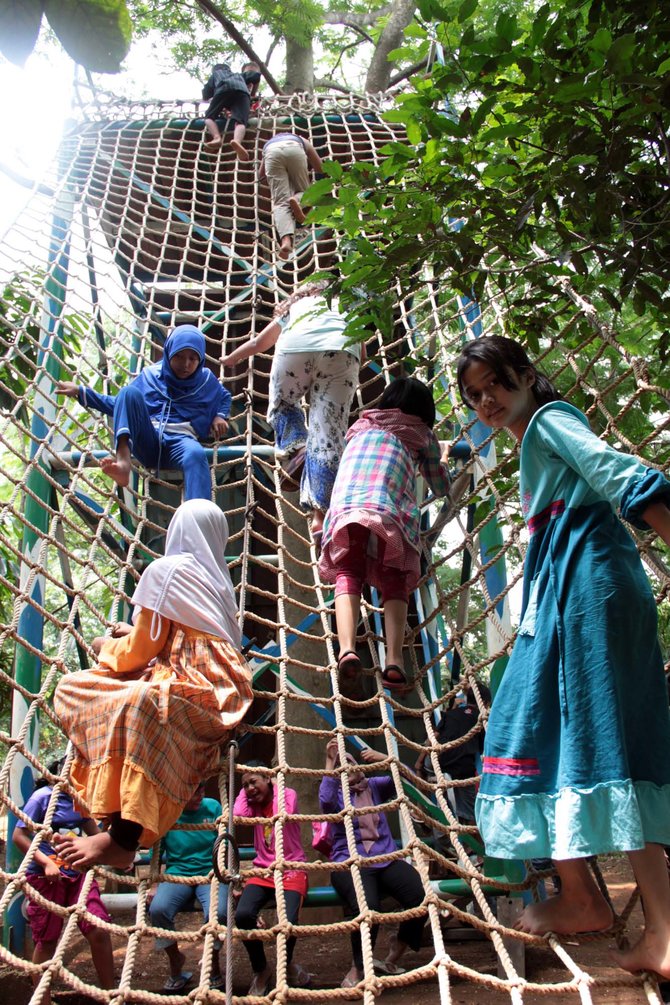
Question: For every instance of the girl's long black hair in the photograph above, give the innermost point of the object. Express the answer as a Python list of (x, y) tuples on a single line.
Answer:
[(504, 356), (412, 397)]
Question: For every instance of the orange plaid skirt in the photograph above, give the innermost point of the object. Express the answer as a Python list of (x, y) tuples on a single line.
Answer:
[(144, 740)]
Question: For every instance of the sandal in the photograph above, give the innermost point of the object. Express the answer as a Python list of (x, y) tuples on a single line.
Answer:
[(349, 665), (259, 987), (297, 976), (178, 983), (386, 967), (394, 678)]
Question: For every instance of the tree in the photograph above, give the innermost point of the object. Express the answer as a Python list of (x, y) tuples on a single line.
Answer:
[(313, 34), (544, 134), (95, 33)]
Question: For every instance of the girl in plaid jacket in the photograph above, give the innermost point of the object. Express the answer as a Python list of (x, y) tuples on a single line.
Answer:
[(371, 533)]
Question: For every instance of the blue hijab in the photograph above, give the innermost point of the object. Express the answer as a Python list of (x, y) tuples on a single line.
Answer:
[(183, 337), (196, 399)]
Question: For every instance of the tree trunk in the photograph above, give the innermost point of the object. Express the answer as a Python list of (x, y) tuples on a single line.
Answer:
[(379, 71), (299, 67)]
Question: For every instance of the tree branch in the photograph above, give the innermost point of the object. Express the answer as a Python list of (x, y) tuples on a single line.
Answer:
[(228, 26), (333, 86), (359, 21), (414, 68)]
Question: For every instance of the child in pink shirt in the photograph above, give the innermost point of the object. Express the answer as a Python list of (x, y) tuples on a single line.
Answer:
[(258, 798)]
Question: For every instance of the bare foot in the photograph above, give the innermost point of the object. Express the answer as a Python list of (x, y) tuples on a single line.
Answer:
[(590, 914), (286, 247), (651, 952), (99, 849), (239, 150), (117, 469), (296, 209), (214, 144)]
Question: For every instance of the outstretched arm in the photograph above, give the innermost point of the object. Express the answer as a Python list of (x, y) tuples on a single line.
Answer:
[(259, 343)]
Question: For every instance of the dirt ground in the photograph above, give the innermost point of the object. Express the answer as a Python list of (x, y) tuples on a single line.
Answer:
[(327, 957)]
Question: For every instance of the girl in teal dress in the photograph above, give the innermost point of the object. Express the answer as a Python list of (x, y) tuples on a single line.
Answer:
[(577, 753)]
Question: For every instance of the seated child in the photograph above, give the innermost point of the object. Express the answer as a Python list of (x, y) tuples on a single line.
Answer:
[(396, 878), (50, 876), (147, 723), (163, 413), (258, 798), (188, 853), (285, 163), (232, 92)]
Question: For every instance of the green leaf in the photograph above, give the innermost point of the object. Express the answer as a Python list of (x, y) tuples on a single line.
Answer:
[(602, 40), (95, 33), (413, 132), (20, 22), (333, 169), (620, 52), (313, 194), (467, 8)]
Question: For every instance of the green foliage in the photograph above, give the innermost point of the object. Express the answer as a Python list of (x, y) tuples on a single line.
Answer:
[(95, 33), (544, 137)]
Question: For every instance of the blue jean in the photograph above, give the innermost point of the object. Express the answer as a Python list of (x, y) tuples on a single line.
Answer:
[(171, 450), (171, 898)]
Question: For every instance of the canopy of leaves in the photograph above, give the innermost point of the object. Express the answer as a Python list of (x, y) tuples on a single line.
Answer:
[(337, 31), (538, 150), (95, 33)]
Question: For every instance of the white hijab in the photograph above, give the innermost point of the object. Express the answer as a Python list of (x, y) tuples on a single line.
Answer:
[(191, 584)]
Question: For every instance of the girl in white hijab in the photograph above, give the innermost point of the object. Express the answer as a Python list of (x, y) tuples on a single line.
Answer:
[(148, 721)]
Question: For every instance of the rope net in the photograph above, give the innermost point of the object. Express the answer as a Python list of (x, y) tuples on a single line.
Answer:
[(137, 228)]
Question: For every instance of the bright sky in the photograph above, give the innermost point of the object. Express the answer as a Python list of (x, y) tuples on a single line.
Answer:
[(37, 98)]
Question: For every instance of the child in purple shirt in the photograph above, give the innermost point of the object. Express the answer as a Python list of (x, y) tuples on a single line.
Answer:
[(50, 877), (397, 879)]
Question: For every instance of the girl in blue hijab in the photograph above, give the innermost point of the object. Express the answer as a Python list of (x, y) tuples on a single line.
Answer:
[(163, 414)]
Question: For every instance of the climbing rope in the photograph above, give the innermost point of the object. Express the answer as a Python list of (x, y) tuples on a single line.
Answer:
[(145, 229)]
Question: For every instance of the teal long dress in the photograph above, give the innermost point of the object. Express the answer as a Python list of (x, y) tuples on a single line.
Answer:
[(577, 753)]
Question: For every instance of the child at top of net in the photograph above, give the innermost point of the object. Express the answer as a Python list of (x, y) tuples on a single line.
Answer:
[(231, 92), (371, 531), (147, 723), (162, 415), (50, 876), (577, 752)]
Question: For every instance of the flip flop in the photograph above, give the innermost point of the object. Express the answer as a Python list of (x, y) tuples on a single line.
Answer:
[(392, 969), (259, 988), (394, 678), (177, 983), (297, 976)]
